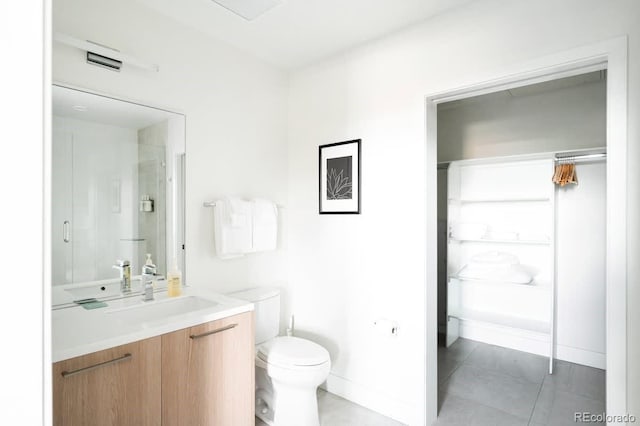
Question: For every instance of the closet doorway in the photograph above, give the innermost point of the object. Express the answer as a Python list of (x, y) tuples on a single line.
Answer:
[(521, 268), (609, 56)]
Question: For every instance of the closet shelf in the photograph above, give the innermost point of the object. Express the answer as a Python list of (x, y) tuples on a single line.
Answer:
[(502, 320), (486, 240), (533, 284), (500, 200)]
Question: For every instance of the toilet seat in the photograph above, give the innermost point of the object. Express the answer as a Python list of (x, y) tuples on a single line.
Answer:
[(288, 351)]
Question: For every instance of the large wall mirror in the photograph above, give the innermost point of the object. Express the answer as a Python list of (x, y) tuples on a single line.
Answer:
[(117, 192)]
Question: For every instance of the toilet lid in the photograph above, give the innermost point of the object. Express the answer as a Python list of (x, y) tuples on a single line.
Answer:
[(288, 350)]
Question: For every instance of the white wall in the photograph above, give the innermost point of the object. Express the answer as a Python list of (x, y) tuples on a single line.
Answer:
[(500, 124), (23, 100), (235, 109), (347, 271), (581, 267)]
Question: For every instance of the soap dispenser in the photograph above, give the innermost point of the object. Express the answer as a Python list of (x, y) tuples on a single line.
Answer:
[(174, 278), (148, 268)]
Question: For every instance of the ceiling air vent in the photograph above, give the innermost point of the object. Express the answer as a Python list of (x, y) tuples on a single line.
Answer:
[(103, 61), (248, 9)]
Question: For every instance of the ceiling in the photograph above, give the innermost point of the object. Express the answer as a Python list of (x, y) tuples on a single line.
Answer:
[(296, 33), (594, 77), (101, 109)]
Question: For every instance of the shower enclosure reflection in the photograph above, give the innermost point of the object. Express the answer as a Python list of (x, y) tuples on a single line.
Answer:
[(117, 187)]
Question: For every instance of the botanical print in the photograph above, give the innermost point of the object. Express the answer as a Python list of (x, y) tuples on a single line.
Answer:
[(339, 178)]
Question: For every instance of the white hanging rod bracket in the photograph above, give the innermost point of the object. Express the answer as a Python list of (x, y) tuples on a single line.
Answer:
[(90, 46)]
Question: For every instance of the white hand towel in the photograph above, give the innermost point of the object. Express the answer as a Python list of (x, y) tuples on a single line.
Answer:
[(265, 225), (232, 227)]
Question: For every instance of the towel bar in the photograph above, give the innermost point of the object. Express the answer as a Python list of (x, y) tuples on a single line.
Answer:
[(213, 204)]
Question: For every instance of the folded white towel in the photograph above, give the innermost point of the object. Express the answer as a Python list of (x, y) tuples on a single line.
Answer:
[(233, 227), (511, 273), (265, 225), (494, 258), (496, 266)]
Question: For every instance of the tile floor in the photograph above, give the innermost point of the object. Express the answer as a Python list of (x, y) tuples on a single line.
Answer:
[(486, 385), (482, 384), (336, 411)]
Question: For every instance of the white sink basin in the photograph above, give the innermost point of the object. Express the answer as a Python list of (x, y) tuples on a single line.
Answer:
[(157, 310)]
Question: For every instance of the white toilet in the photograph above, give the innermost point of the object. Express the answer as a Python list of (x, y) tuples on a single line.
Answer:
[(288, 369)]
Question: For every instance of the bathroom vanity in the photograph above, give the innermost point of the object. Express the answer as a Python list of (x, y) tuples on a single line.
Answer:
[(118, 188), (174, 361), (118, 200)]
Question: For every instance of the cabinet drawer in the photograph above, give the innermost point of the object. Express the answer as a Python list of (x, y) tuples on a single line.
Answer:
[(117, 386)]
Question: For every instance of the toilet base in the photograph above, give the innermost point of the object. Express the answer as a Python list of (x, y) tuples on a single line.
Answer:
[(295, 406), (288, 406), (288, 397)]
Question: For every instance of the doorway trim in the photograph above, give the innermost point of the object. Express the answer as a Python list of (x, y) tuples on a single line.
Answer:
[(611, 55)]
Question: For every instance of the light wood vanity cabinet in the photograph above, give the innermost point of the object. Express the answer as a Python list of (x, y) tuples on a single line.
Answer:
[(200, 376), (117, 386), (208, 374)]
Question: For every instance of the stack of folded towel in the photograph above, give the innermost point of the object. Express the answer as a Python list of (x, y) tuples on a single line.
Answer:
[(244, 226), (496, 266)]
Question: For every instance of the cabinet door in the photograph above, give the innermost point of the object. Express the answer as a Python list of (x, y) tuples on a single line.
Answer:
[(117, 386), (208, 374)]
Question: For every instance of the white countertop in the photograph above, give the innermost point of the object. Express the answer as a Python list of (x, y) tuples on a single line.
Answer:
[(79, 331)]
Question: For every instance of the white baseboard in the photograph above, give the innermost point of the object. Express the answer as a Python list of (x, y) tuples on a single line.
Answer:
[(581, 356), (369, 398), (507, 337), (528, 341)]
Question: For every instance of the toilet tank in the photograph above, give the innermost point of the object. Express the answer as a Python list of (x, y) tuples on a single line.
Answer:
[(266, 302)]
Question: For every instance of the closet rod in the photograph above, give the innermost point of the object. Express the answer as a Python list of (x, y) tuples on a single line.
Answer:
[(583, 157)]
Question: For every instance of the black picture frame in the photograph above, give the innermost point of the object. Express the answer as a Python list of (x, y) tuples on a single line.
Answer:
[(339, 177)]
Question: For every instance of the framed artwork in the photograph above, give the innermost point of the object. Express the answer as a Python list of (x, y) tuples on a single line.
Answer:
[(339, 180)]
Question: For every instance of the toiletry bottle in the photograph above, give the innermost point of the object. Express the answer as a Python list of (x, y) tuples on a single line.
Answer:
[(149, 270), (174, 278)]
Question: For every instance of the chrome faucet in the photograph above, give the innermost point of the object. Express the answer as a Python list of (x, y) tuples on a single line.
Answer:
[(148, 273), (124, 266)]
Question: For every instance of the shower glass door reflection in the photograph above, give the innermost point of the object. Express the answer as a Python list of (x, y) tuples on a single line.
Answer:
[(109, 196)]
